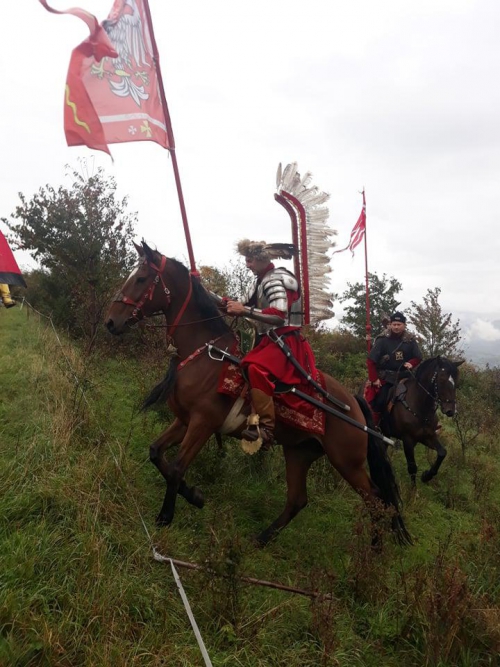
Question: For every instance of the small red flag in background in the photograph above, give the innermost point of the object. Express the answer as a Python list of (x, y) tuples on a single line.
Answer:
[(9, 270), (358, 231), (112, 88)]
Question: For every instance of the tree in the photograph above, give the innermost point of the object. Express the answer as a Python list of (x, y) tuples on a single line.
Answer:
[(340, 354), (233, 280), (81, 236), (383, 301), (477, 404), (436, 331)]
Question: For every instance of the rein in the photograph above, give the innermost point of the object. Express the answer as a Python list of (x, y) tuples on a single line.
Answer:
[(185, 324), (147, 295), (181, 311), (434, 393), (433, 385), (433, 396)]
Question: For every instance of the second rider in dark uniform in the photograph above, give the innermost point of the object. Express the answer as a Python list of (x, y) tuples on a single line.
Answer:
[(394, 355)]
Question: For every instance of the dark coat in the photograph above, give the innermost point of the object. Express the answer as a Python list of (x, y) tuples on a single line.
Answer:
[(390, 352)]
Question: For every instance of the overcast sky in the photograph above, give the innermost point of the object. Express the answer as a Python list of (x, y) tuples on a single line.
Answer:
[(400, 97)]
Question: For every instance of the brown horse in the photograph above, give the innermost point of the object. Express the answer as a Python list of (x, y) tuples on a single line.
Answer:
[(414, 418), (163, 285)]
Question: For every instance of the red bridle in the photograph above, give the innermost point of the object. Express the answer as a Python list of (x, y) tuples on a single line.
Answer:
[(147, 295)]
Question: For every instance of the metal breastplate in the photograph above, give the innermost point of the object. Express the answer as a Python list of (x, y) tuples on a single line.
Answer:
[(271, 293)]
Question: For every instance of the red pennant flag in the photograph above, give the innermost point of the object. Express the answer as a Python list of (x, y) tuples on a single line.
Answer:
[(113, 87), (9, 270), (358, 231)]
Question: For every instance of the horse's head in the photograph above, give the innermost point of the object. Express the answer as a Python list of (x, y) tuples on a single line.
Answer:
[(446, 377), (143, 293)]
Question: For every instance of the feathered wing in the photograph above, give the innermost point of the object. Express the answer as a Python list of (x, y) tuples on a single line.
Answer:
[(300, 194)]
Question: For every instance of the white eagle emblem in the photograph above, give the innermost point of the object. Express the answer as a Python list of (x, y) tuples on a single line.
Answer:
[(125, 29)]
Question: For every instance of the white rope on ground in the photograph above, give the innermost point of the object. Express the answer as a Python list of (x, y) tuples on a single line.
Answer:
[(192, 620)]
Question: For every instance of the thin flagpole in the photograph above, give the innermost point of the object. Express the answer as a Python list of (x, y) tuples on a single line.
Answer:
[(171, 140), (367, 288)]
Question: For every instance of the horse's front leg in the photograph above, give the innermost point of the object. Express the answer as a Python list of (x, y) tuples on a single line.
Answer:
[(172, 436), (197, 434), (409, 449), (434, 443), (298, 460)]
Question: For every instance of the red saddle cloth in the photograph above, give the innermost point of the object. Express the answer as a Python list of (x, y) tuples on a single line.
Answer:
[(290, 408), (369, 392)]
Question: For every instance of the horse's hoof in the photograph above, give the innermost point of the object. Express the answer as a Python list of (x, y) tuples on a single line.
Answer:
[(163, 521), (197, 498), (426, 476), (260, 541)]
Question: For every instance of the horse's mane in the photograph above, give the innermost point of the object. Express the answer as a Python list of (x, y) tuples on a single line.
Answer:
[(205, 304), (426, 365)]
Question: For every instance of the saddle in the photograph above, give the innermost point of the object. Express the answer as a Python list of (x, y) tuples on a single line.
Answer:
[(290, 408), (397, 393)]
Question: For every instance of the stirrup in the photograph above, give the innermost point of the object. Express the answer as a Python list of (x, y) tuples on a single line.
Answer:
[(254, 436), (253, 433)]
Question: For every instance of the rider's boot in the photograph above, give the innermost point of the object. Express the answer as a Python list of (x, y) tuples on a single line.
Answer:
[(264, 426)]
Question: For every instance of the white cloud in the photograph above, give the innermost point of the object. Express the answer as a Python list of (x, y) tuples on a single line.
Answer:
[(483, 330)]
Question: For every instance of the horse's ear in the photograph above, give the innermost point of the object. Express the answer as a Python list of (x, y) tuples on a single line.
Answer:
[(149, 252), (139, 249), (459, 363)]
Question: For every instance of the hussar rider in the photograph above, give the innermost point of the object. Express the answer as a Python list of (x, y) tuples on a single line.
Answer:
[(274, 302)]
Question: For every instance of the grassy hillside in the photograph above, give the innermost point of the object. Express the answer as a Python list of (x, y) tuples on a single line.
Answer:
[(79, 585)]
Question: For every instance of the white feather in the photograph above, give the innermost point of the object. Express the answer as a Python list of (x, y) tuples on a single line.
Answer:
[(279, 174), (319, 236)]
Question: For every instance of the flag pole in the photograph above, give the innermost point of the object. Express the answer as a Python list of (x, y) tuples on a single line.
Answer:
[(367, 288), (171, 140)]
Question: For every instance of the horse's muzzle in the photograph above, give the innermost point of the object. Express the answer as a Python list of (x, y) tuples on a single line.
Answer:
[(112, 328)]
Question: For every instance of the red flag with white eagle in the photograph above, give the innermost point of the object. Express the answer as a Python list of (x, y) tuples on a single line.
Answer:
[(113, 82)]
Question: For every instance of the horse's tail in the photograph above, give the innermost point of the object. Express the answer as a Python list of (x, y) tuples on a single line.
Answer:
[(383, 477), (163, 389)]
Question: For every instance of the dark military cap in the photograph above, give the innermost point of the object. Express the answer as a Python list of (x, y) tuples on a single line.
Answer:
[(398, 317)]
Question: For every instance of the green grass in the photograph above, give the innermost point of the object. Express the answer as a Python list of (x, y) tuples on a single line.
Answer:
[(79, 585)]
